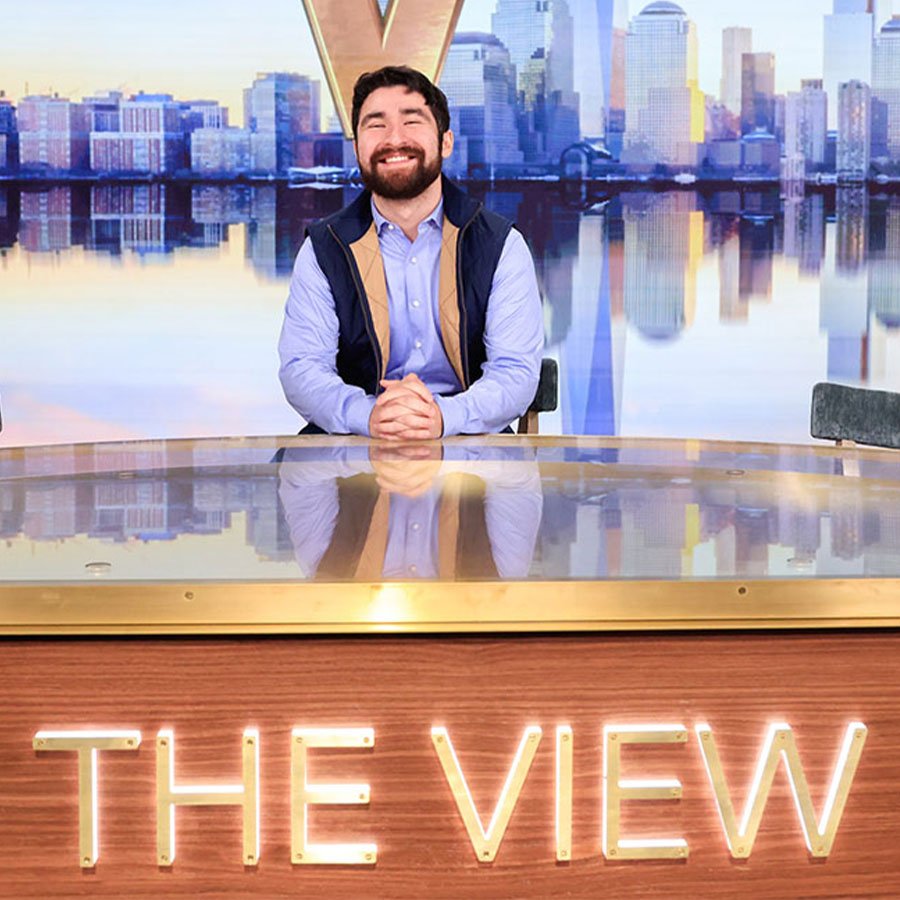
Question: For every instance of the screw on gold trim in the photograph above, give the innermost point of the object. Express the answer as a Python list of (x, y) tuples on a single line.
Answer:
[(298, 856), (740, 851), (164, 859), (486, 854), (299, 740), (681, 736), (370, 857), (612, 852), (613, 737), (362, 796), (163, 742), (40, 743), (86, 860), (563, 853), (565, 737), (250, 860), (367, 740), (440, 739)]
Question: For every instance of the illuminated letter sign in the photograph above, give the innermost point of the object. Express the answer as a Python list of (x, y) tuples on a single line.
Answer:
[(616, 789), (563, 793), (780, 745), (87, 744), (303, 795), (485, 843), (168, 796), (352, 37)]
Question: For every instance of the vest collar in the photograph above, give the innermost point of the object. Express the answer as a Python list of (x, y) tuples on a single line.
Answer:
[(354, 221)]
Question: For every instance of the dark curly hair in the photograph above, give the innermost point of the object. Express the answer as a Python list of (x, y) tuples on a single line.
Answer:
[(412, 80)]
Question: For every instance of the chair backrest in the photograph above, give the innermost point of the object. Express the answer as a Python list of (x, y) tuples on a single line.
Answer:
[(861, 415), (545, 400)]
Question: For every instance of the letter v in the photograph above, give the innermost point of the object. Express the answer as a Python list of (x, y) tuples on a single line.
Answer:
[(352, 37), (780, 744), (485, 843)]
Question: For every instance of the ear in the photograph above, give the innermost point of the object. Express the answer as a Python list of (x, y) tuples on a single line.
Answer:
[(447, 144)]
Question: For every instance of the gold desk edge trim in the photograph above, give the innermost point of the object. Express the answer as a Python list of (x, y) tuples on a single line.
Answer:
[(446, 607)]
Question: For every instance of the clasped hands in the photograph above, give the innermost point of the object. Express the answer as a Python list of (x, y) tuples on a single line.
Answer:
[(406, 411)]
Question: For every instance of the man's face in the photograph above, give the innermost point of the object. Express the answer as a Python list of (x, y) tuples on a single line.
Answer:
[(397, 143)]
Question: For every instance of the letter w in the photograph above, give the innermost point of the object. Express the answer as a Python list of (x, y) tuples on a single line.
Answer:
[(352, 37), (780, 744)]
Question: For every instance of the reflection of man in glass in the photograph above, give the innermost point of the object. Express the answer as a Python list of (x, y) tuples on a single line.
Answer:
[(411, 511), (414, 312)]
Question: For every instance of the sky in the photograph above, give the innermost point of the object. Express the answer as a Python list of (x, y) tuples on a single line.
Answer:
[(213, 48)]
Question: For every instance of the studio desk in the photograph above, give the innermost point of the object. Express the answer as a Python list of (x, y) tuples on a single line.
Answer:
[(488, 668)]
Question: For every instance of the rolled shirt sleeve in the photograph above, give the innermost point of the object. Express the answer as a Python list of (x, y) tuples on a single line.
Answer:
[(514, 343), (308, 352)]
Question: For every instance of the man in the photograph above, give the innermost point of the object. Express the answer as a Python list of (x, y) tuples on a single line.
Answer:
[(413, 313)]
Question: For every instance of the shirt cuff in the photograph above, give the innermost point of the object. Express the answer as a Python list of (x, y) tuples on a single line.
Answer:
[(359, 409), (453, 413)]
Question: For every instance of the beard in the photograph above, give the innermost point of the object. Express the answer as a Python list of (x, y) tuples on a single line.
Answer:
[(400, 185)]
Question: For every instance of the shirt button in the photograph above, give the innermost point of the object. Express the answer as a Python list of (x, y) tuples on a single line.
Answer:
[(415, 526), (416, 304), (418, 344), (390, 227), (413, 569), (413, 260)]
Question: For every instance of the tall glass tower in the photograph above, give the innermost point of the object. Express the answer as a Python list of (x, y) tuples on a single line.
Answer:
[(664, 108), (480, 83), (849, 31), (539, 35)]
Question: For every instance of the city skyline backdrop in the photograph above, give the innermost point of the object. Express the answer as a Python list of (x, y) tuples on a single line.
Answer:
[(191, 49)]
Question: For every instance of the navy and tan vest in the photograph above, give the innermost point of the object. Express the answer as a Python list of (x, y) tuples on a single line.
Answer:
[(346, 247)]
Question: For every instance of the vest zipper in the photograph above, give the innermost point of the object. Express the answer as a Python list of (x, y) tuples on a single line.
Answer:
[(360, 293), (461, 301)]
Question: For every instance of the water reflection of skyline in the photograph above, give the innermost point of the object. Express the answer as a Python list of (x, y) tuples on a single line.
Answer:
[(616, 270), (628, 518)]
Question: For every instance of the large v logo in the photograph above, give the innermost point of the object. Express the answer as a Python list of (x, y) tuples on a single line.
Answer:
[(352, 37)]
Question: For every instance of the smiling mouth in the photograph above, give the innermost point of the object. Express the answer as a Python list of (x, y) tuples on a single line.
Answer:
[(396, 159)]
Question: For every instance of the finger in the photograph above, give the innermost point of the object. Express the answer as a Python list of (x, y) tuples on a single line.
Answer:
[(412, 402), (412, 383), (401, 390), (404, 423), (399, 412)]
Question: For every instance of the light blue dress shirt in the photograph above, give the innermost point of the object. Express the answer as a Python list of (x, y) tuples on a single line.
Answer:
[(513, 336)]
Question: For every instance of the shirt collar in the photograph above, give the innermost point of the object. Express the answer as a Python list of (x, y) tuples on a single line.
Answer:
[(436, 218)]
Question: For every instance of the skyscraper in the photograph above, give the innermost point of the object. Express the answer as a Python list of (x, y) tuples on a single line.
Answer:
[(735, 43), (599, 68), (539, 35), (757, 92), (664, 108), (480, 83), (805, 123), (886, 81), (847, 48), (278, 106), (854, 130)]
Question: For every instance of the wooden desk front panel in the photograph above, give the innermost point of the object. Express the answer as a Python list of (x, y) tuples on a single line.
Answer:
[(484, 691)]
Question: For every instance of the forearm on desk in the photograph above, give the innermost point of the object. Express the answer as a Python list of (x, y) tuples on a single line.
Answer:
[(308, 352)]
